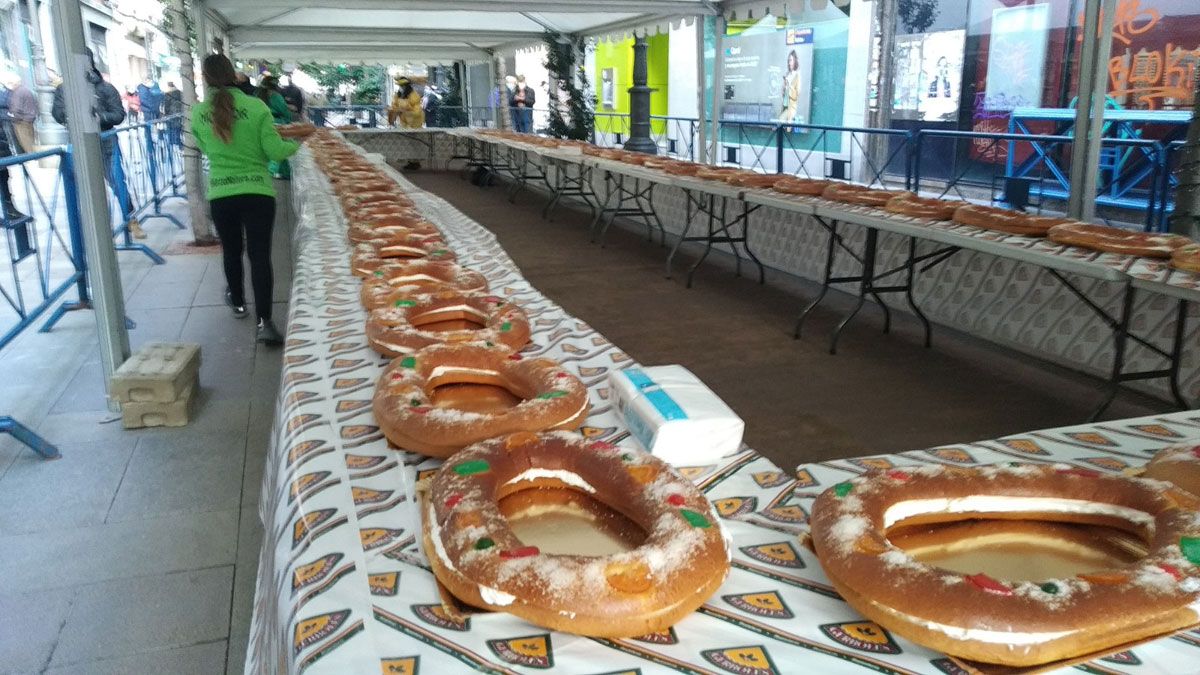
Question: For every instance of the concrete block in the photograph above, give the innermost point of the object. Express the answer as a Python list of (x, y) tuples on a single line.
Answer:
[(138, 414), (159, 372)]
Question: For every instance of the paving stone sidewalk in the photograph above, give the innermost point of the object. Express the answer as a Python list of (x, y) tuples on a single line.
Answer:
[(136, 552)]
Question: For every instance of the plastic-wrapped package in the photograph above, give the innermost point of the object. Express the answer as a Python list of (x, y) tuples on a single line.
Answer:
[(674, 416)]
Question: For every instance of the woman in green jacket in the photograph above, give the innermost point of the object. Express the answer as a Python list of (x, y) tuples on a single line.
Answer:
[(237, 133), (272, 95)]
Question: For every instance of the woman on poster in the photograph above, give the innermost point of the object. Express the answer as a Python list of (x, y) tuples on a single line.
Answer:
[(791, 89)]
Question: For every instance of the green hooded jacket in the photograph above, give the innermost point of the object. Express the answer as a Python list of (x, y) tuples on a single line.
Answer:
[(240, 166)]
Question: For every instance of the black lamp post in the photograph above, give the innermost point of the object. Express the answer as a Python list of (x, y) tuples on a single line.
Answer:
[(639, 104)]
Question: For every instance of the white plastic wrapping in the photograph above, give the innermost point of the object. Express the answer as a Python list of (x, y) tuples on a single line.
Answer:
[(673, 415)]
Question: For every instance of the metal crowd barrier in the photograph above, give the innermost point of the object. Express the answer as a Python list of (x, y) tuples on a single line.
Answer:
[(818, 151), (45, 259), (145, 169), (675, 136)]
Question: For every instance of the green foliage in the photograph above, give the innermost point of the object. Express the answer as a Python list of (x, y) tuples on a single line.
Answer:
[(366, 82), (452, 111), (565, 67)]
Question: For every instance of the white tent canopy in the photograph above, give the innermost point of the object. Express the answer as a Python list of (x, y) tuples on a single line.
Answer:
[(432, 31)]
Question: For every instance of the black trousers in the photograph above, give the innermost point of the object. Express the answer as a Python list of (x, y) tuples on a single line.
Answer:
[(251, 217)]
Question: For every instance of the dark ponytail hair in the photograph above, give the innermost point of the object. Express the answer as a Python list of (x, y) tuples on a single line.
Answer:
[(220, 76), (266, 86)]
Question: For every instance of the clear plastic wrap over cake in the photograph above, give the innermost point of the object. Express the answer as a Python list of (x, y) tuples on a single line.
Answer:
[(674, 416)]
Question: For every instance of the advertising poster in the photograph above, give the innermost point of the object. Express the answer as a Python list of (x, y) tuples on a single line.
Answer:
[(768, 75), (928, 76), (1017, 57), (608, 88)]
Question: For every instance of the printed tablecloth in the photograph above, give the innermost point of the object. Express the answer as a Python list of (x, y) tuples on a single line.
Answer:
[(343, 585)]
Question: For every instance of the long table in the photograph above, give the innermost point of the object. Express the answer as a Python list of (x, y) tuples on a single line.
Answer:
[(343, 584), (707, 205)]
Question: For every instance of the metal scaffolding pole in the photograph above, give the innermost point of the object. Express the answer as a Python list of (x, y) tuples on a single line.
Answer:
[(84, 133), (1098, 21), (701, 140), (714, 155), (203, 41)]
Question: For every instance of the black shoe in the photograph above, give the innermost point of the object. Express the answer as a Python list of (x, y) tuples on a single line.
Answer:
[(267, 333), (239, 311)]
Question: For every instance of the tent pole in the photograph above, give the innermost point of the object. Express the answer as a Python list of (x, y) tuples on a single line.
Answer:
[(701, 140), (714, 155), (1099, 96), (1092, 78), (88, 167)]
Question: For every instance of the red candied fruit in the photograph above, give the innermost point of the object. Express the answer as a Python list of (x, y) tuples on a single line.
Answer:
[(453, 500), (676, 500), (522, 552)]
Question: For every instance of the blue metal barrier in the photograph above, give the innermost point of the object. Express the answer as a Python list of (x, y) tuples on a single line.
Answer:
[(1130, 176), (146, 168), (675, 136), (45, 262)]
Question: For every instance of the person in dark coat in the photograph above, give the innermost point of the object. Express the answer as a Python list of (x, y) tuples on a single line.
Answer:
[(521, 102), (109, 111), (150, 98), (245, 85), (172, 106)]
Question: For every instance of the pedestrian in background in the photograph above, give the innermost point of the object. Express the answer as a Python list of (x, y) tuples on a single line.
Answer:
[(237, 133), (268, 91), (132, 105), (7, 143), (106, 106), (22, 112), (406, 110), (294, 96), (172, 107), (150, 99), (521, 104)]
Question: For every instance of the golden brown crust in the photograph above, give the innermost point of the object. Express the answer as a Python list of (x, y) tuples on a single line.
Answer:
[(850, 193), (402, 279), (716, 172), (373, 254), (752, 179), (1014, 623), (908, 204), (1187, 258), (397, 330), (793, 185), (475, 554), (1178, 464), (1006, 220), (551, 398), (1116, 240)]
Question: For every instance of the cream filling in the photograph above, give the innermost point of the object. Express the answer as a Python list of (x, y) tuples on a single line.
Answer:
[(489, 595), (396, 348), (1013, 638), (994, 504), (439, 371), (494, 597), (567, 477), (457, 308), (399, 281)]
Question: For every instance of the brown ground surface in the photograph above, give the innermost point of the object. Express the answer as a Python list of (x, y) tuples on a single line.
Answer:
[(881, 393)]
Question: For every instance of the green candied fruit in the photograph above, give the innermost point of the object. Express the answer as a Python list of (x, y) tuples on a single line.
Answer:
[(557, 393), (484, 543), (1190, 546), (406, 303), (472, 467), (506, 326), (694, 519), (1049, 588), (842, 489), (408, 362)]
